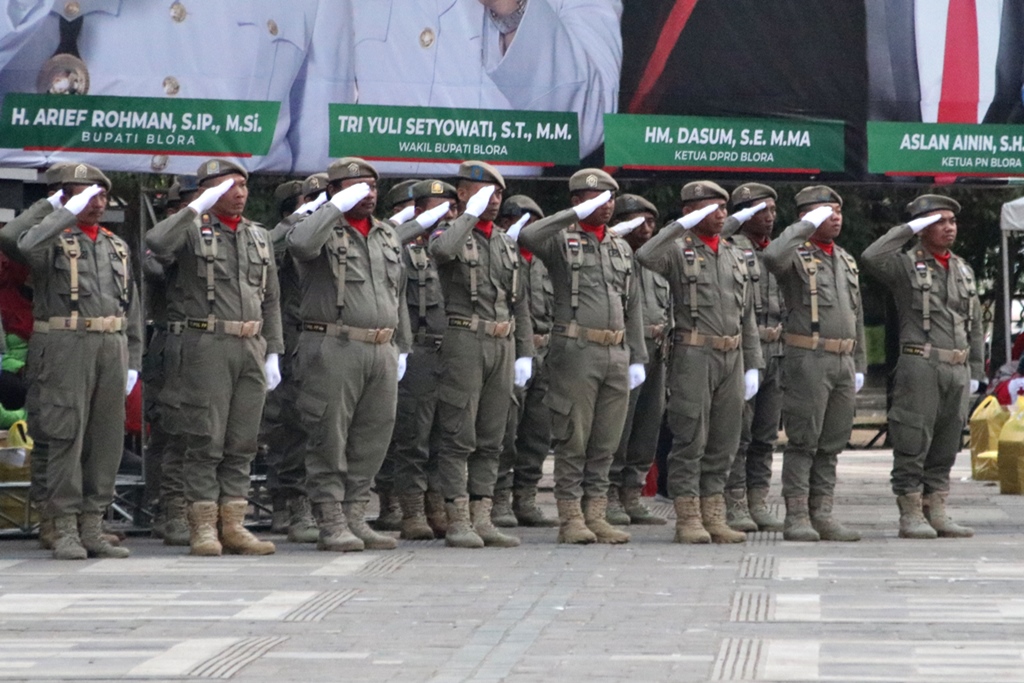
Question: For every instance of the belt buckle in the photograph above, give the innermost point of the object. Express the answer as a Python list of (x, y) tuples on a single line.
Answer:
[(959, 356), (847, 346), (380, 336), (502, 329), (249, 328)]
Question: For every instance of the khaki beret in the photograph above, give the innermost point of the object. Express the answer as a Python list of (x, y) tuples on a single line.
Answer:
[(631, 203), (817, 194), (702, 189), (518, 204), (287, 190), (592, 179), (215, 168), (314, 184), (928, 203), (83, 174), (401, 192), (434, 188), (751, 193), (52, 174), (481, 172), (351, 167)]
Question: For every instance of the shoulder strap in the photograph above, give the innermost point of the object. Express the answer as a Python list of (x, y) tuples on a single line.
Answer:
[(339, 247), (924, 280), (72, 250), (208, 247), (811, 268), (513, 257), (263, 249), (574, 255), (418, 258), (120, 252), (691, 270), (471, 252)]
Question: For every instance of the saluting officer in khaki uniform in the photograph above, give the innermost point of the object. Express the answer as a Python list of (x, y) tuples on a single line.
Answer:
[(487, 346), (647, 402), (824, 363), (88, 351), (716, 355), (941, 360), (746, 491), (597, 350), (223, 297)]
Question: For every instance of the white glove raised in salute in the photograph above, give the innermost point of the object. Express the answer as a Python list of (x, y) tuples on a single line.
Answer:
[(625, 227), (690, 220), (350, 196), (744, 215), (430, 217), (818, 216), (477, 204), (313, 204), (584, 209), (210, 195), (55, 198), (919, 224), (404, 215), (77, 204), (517, 227)]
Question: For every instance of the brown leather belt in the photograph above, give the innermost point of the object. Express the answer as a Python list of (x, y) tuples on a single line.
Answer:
[(952, 357), (599, 337), (427, 339), (489, 328), (381, 335), (656, 332), (717, 343), (840, 347), (541, 341), (106, 325), (769, 334)]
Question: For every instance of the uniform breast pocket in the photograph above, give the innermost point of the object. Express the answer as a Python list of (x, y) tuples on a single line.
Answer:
[(62, 273), (826, 290), (393, 264), (853, 289), (621, 270), (739, 284), (218, 261)]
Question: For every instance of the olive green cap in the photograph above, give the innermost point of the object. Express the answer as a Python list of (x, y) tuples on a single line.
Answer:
[(817, 194), (481, 172), (928, 203), (632, 203), (215, 168), (518, 204), (401, 192), (52, 174), (751, 193), (699, 190), (314, 184), (83, 174), (592, 179), (434, 188), (287, 190), (351, 167)]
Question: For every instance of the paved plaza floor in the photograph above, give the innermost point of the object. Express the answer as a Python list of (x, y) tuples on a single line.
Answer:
[(884, 609)]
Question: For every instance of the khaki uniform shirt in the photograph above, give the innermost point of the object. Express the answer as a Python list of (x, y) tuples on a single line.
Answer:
[(423, 291), (10, 233), (656, 293), (768, 307)]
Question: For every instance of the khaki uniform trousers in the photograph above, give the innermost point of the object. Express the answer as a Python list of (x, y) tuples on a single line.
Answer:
[(643, 424), (528, 433), (168, 438), (752, 466), (410, 449), (283, 431)]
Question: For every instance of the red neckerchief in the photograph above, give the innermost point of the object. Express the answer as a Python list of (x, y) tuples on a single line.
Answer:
[(824, 246), (229, 221), (90, 231), (943, 259), (712, 241), (362, 225), (485, 228), (527, 254), (595, 230), (763, 245)]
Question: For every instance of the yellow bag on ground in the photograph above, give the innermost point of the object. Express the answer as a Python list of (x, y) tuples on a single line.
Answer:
[(15, 453), (986, 423), (1011, 450)]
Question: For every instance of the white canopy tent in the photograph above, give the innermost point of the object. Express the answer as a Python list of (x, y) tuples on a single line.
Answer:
[(1011, 219)]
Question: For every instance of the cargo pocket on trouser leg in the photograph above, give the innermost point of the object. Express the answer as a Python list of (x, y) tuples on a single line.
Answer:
[(58, 427), (907, 431), (561, 417)]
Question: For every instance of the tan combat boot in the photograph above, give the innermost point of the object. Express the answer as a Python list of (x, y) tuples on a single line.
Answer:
[(595, 514), (234, 537), (279, 514), (571, 527), (614, 512), (301, 525), (437, 517), (202, 522), (757, 500), (390, 516), (797, 526), (635, 508), (90, 529), (934, 507), (67, 545), (460, 532), (526, 510), (414, 519), (480, 515), (47, 532), (827, 526), (332, 528), (355, 514), (737, 514), (176, 531), (501, 510), (912, 521), (712, 512), (689, 526)]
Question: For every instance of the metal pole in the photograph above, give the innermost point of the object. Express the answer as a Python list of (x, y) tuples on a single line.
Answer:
[(1006, 294)]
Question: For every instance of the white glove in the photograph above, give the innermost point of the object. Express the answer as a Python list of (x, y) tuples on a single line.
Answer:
[(313, 204), (477, 204), (1015, 387), (428, 218), (77, 204), (691, 219), (818, 216), (273, 371), (210, 195), (858, 382), (55, 198), (133, 377), (626, 227), (975, 385), (350, 196), (745, 215), (751, 383), (584, 209), (919, 224), (517, 227), (402, 361), (404, 215), (637, 375)]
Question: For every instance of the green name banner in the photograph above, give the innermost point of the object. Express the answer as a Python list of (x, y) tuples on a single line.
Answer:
[(723, 144), (531, 138), (945, 148), (137, 125)]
